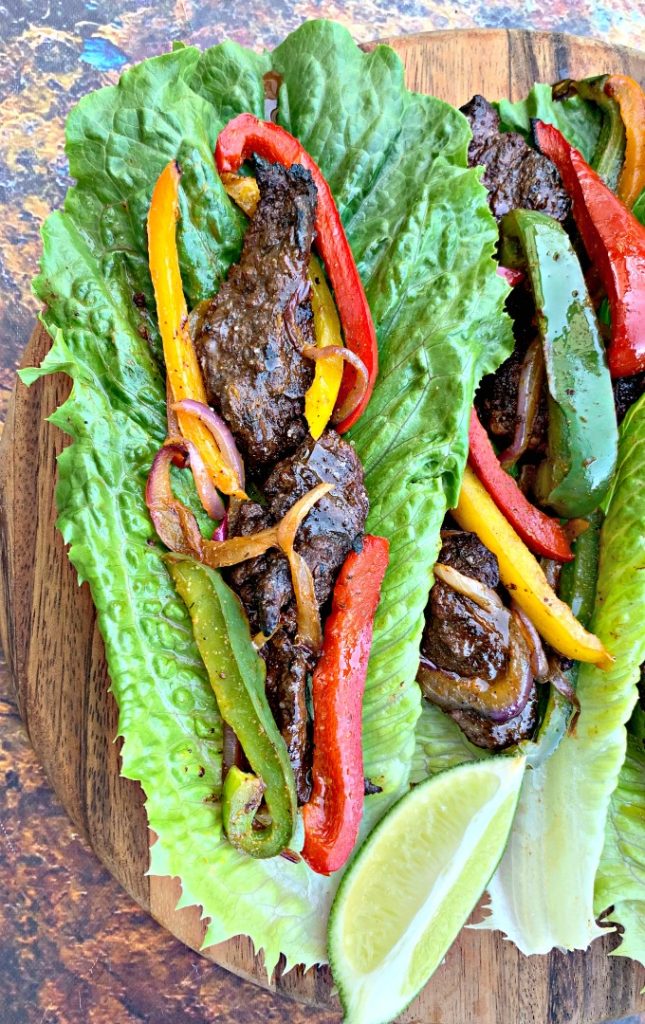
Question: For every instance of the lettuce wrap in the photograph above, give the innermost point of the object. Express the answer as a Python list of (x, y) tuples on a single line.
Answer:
[(423, 238), (576, 849)]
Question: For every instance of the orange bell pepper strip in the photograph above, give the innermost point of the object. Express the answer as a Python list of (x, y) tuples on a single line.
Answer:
[(631, 101), (182, 367), (521, 574)]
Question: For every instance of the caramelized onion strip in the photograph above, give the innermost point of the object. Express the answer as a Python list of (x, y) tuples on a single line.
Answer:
[(176, 526), (220, 432), (357, 393)]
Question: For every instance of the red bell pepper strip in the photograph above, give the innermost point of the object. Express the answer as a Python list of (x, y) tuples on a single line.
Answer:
[(242, 137), (542, 534), (333, 815), (615, 242)]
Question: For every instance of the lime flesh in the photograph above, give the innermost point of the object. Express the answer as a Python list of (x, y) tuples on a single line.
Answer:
[(414, 882)]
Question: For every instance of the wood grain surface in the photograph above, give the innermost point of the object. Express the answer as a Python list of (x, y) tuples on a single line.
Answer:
[(55, 653)]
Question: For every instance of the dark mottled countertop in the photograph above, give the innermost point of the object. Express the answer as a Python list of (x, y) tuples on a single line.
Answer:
[(74, 947)]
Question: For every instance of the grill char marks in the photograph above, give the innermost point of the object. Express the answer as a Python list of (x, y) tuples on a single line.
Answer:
[(516, 176), (251, 336), (263, 584)]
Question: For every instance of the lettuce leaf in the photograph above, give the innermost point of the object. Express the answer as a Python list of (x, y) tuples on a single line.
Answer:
[(440, 744), (543, 892), (620, 882), (579, 120), (420, 229)]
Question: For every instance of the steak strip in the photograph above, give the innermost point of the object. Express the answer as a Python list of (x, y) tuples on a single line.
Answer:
[(454, 640), (325, 538), (251, 335), (516, 176)]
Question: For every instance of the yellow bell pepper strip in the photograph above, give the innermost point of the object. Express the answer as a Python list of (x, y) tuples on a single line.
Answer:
[(631, 100), (521, 574), (321, 397), (184, 374), (243, 190)]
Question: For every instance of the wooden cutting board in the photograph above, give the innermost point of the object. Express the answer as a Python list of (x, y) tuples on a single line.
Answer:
[(55, 652)]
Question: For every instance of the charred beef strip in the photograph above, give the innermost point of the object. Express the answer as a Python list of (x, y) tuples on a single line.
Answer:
[(263, 584), (516, 176), (498, 393), (497, 404), (455, 640), (498, 735), (252, 333)]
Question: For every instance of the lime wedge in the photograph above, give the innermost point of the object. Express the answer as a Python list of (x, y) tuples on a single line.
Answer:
[(413, 883)]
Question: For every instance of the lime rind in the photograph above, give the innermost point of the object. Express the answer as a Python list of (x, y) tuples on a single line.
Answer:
[(441, 842)]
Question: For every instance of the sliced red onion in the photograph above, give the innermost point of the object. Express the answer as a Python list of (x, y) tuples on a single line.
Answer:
[(232, 753), (500, 700), (176, 526), (539, 663), (291, 855), (221, 433), (512, 276), (221, 533), (573, 528), (357, 392), (308, 621), (210, 499), (308, 612), (219, 554), (528, 401)]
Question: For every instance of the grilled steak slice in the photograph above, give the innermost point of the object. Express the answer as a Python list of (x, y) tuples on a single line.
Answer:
[(335, 522), (497, 396), (516, 176), (497, 404), (263, 584), (454, 638), (498, 735), (325, 538), (251, 335)]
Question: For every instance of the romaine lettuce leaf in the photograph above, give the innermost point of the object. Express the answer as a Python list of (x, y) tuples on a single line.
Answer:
[(419, 225), (543, 892), (440, 744), (579, 120), (620, 882)]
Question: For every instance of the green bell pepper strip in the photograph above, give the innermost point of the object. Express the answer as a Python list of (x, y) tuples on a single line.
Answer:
[(578, 579), (609, 154), (577, 587), (582, 434), (237, 675)]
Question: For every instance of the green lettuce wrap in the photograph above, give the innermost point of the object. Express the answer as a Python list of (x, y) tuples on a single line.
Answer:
[(423, 238), (577, 845)]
